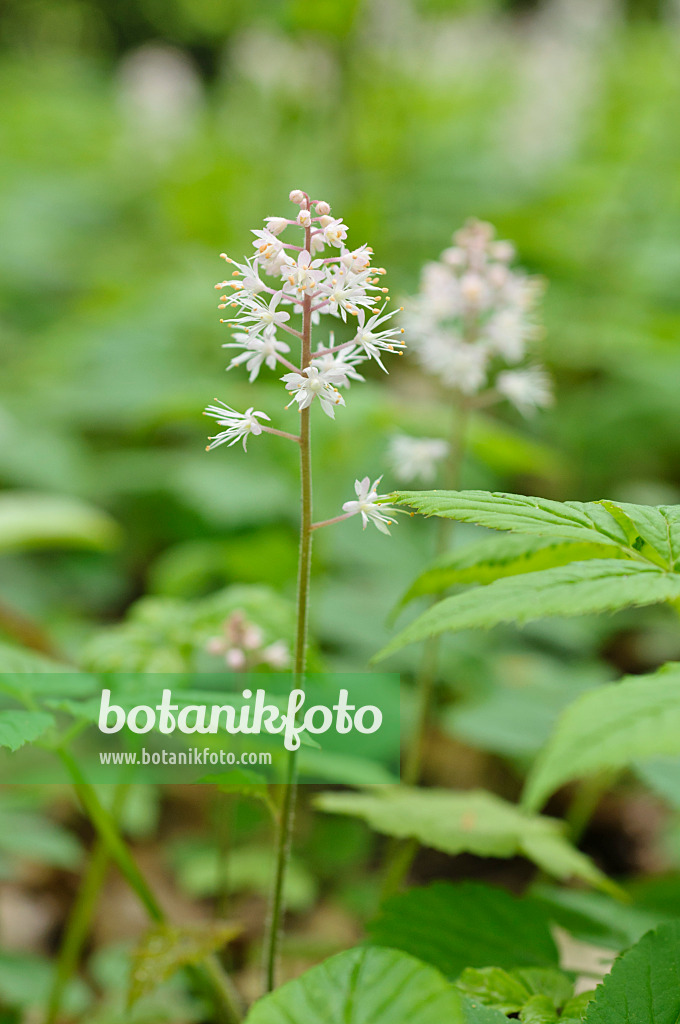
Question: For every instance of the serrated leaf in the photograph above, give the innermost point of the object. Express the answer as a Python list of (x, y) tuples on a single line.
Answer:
[(498, 557), (363, 986), (577, 1005), (33, 520), (568, 520), (465, 925), (476, 1013), (577, 589), (644, 984), (166, 948), (610, 728), (20, 727), (471, 822)]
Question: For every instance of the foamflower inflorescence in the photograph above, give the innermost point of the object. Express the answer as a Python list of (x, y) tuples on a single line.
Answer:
[(475, 316), (279, 293), (472, 326)]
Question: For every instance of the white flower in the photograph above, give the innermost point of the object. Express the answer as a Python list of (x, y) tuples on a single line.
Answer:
[(268, 246), (357, 260), (334, 231), (367, 505), (344, 290), (256, 351), (343, 361), (257, 317), (239, 424), (372, 341), (416, 458), (277, 224), (526, 389), (304, 275), (276, 655), (459, 365), (507, 333), (314, 383)]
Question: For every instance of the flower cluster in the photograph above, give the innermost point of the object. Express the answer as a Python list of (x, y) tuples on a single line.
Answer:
[(278, 294), (472, 326), (475, 316), (243, 647)]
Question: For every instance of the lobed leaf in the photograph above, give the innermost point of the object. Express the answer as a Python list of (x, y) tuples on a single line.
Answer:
[(471, 822), (20, 727), (608, 729), (577, 589), (497, 557)]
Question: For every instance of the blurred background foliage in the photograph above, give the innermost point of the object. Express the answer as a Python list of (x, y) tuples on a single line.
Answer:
[(140, 138)]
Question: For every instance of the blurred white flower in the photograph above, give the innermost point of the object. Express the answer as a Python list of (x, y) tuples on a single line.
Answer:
[(527, 389), (474, 314), (368, 507), (239, 424), (416, 458)]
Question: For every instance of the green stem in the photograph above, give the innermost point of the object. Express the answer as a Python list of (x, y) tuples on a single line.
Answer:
[(80, 917), (207, 975), (287, 816)]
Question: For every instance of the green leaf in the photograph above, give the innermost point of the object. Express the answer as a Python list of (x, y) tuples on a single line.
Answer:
[(576, 1006), (493, 986), (497, 557), (475, 1012), (577, 589), (570, 520), (33, 520), (471, 822), (166, 948), (538, 1010), (363, 986), (644, 984), (465, 925), (20, 727), (653, 533), (610, 728)]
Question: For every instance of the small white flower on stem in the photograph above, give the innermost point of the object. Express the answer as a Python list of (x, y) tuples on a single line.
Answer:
[(296, 196), (372, 341), (345, 361), (315, 383), (527, 389), (303, 275), (239, 424), (334, 231), (277, 224), (257, 316), (416, 458), (257, 351), (368, 507)]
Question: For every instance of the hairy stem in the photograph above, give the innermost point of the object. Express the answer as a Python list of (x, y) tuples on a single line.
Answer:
[(287, 817)]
